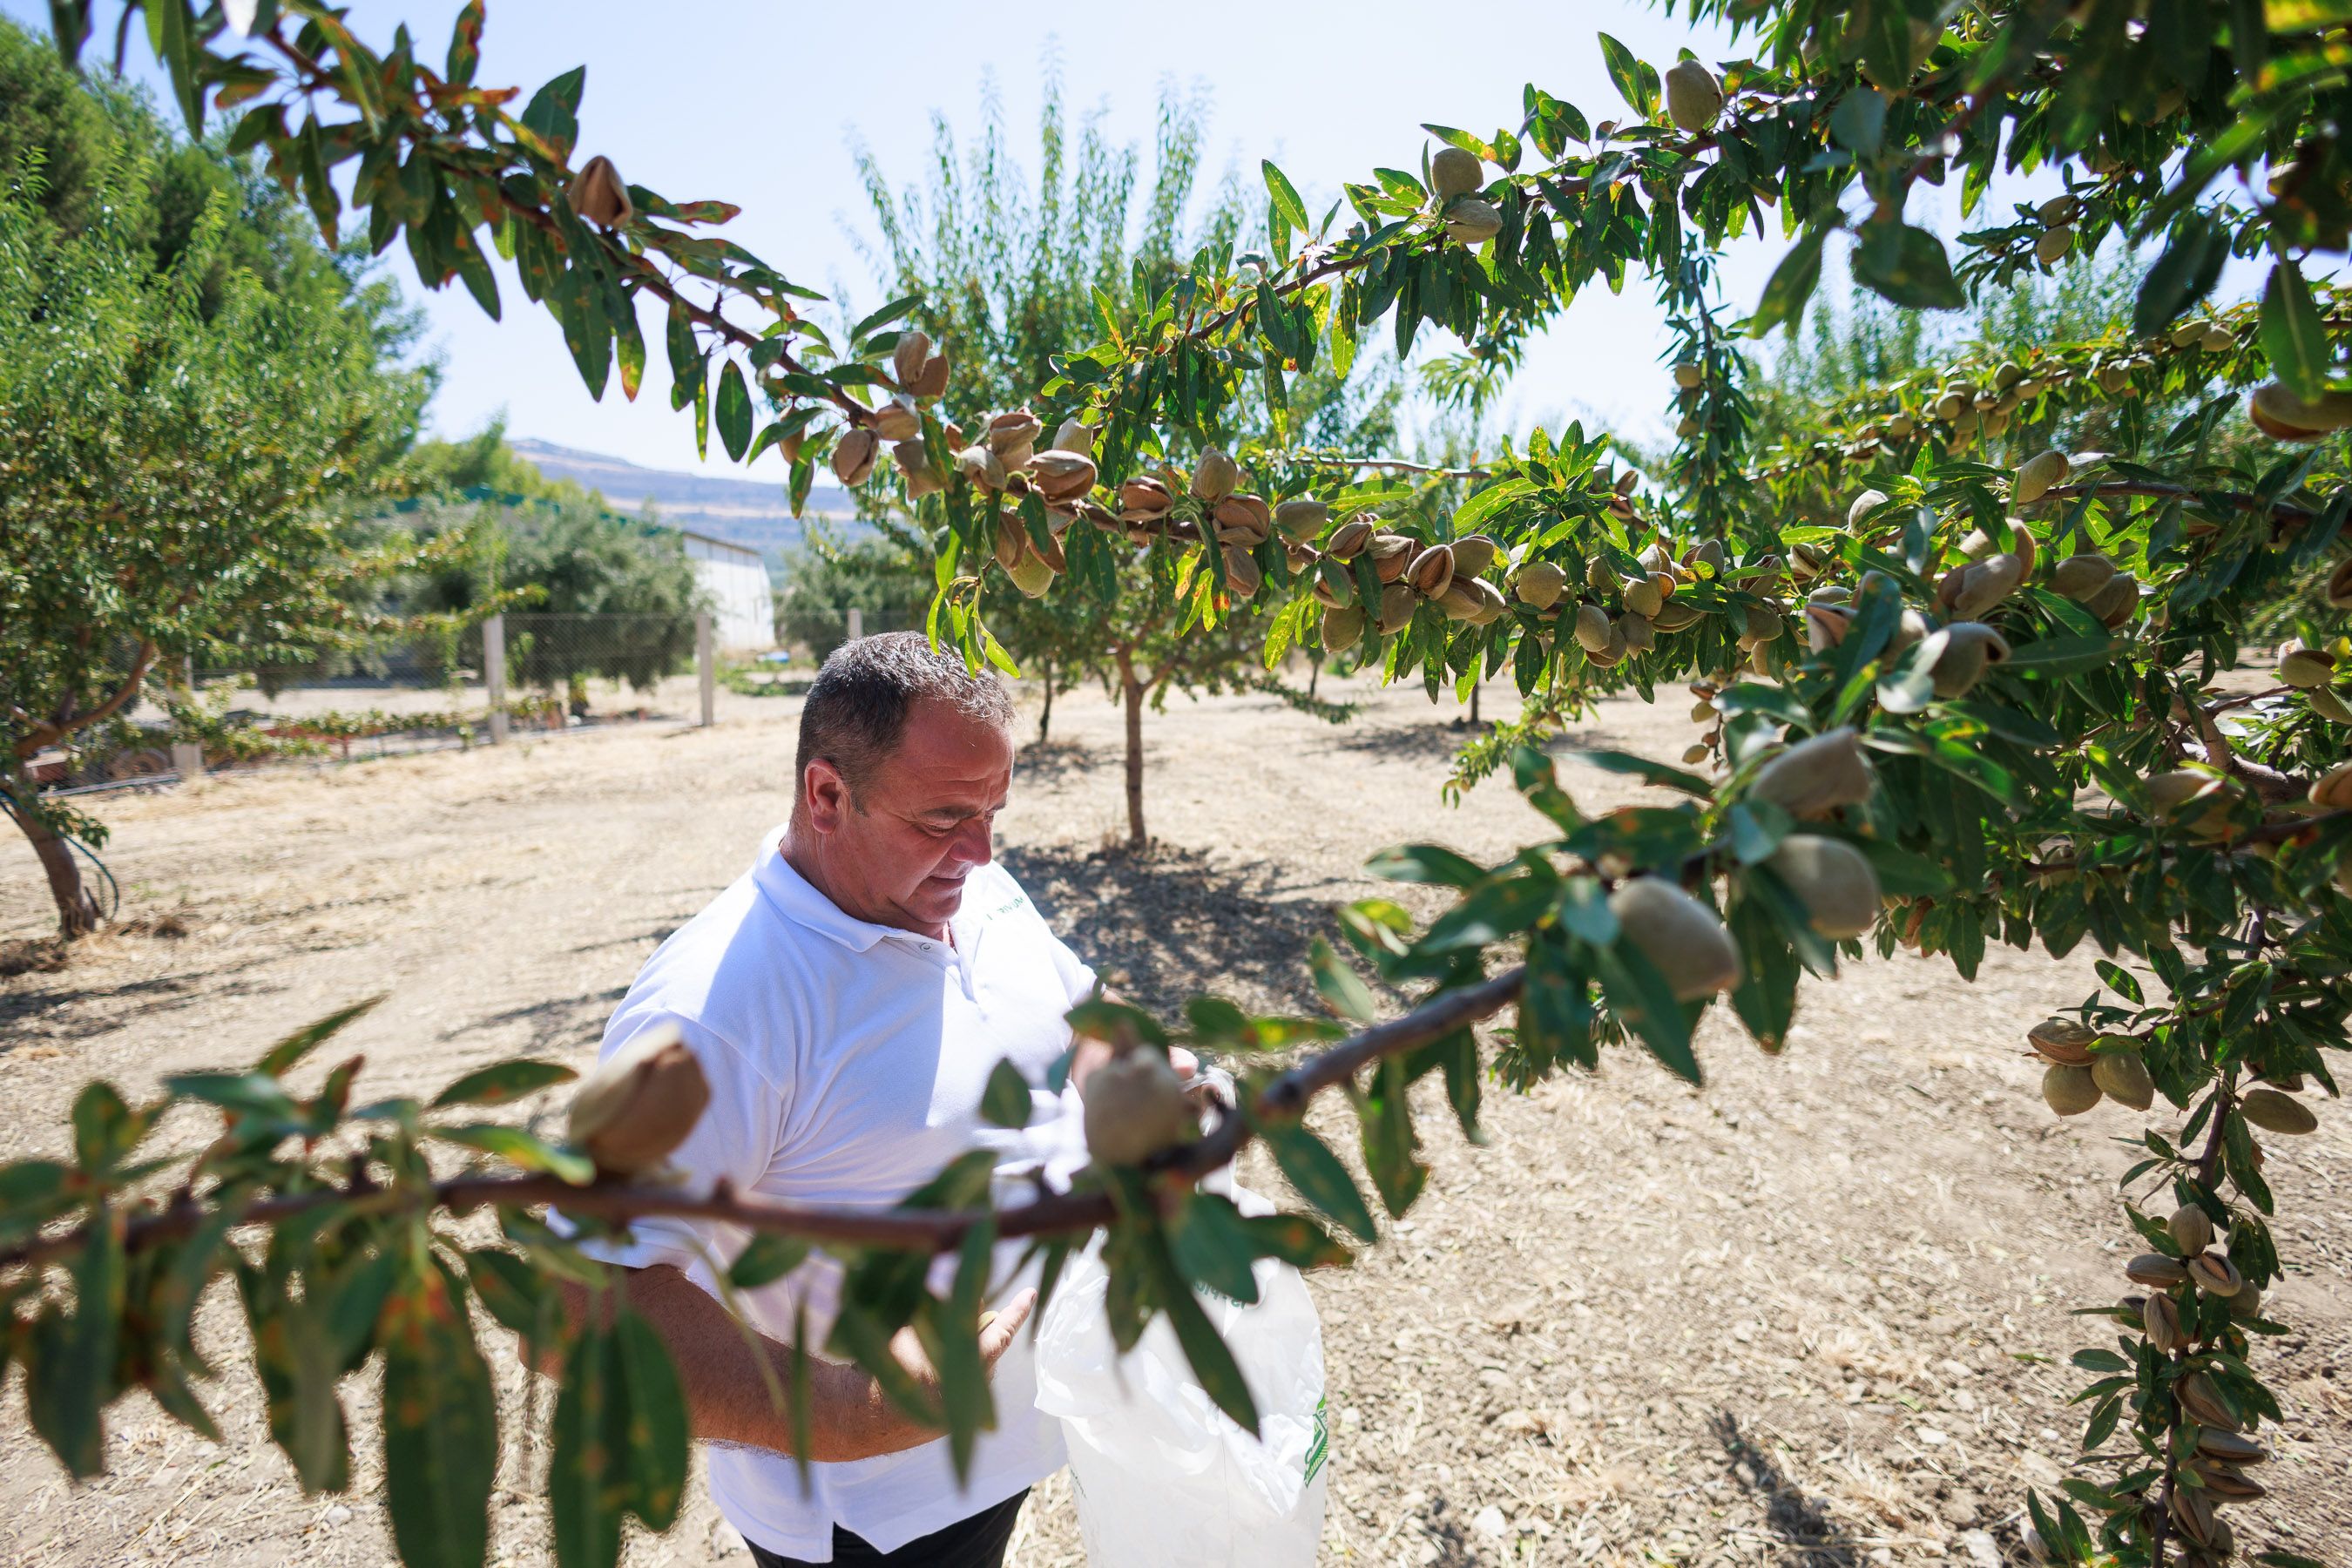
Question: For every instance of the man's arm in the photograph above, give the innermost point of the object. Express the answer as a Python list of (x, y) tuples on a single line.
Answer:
[(719, 1360)]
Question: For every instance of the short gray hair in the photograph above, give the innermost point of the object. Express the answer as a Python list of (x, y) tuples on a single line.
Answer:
[(856, 712)]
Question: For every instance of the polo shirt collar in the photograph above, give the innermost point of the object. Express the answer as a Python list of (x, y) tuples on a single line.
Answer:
[(799, 901)]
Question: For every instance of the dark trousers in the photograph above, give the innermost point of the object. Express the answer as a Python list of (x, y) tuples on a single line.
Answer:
[(975, 1542)]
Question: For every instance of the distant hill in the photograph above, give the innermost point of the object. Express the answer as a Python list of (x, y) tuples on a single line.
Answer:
[(755, 512)]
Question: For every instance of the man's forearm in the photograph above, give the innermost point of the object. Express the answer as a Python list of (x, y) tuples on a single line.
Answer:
[(721, 1366)]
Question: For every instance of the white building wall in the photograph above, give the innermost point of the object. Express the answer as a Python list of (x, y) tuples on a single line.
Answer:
[(743, 604)]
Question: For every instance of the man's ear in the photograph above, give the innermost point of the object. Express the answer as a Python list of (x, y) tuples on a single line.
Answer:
[(825, 793)]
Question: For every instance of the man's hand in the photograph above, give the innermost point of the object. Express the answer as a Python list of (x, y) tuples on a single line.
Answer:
[(996, 1332), (1092, 1053)]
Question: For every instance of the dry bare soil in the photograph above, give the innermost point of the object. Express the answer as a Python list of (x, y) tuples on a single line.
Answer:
[(1812, 1314)]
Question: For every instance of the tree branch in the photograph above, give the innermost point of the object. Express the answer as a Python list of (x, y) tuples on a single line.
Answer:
[(933, 1230), (58, 729)]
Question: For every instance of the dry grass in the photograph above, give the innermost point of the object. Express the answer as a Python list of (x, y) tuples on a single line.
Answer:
[(1812, 1315)]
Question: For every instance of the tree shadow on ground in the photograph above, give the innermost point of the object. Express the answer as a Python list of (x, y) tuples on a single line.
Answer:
[(113, 1006), (1052, 761), (1434, 739), (1814, 1539), (648, 939), (1164, 923), (559, 1022), (1440, 736)]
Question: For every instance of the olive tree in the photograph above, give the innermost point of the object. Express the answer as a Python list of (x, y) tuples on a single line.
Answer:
[(1981, 703)]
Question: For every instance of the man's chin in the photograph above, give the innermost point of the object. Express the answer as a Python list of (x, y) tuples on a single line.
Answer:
[(938, 897)]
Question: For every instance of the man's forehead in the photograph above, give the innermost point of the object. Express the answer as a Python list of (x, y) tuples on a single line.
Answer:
[(945, 752)]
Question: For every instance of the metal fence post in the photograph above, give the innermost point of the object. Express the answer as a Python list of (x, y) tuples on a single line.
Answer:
[(494, 674), (856, 622), (706, 665)]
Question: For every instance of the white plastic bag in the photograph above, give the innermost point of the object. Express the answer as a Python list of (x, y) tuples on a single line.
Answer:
[(1164, 1478)]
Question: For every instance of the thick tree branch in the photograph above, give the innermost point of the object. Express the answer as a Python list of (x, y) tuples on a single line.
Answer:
[(934, 1230)]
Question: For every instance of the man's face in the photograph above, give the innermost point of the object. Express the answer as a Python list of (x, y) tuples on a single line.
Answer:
[(899, 855)]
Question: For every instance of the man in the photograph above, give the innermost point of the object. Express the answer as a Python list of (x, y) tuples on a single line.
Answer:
[(847, 999)]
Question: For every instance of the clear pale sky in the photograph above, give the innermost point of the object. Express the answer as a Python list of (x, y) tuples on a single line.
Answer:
[(753, 101)]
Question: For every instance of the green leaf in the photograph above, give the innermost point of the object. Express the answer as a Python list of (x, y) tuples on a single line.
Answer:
[(440, 1422), (1908, 266), (2293, 335), (658, 1436), (1341, 988), (518, 1147), (70, 1368), (554, 113), (295, 1353), (512, 1291), (768, 1257), (587, 1486), (1636, 83), (2062, 656), (1212, 1364), (105, 1128), (1297, 1240), (1311, 1167), (502, 1082), (1213, 1245), (1006, 1102), (1390, 1146), (734, 411), (1285, 196), (1903, 872), (1765, 996), (1426, 863), (280, 1058), (1116, 1021), (1791, 286), (886, 315), (1647, 1003), (241, 1093), (628, 337), (1642, 768), (1502, 908), (1859, 121), (2187, 271)]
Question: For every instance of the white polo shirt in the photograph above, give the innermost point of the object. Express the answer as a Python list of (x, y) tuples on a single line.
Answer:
[(846, 1063)]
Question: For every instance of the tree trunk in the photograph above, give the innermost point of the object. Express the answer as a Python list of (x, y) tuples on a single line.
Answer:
[(1474, 707), (1046, 719), (1314, 673), (1132, 691), (76, 911)]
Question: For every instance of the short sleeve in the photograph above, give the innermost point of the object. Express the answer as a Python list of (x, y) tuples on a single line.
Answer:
[(734, 1140), (1078, 980)]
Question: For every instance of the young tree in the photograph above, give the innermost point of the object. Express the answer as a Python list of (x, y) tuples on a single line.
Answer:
[(880, 576), (1985, 706)]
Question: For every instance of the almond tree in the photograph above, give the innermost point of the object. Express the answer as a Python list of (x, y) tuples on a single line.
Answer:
[(1983, 704)]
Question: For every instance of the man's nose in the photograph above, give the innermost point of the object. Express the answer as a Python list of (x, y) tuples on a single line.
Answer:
[(973, 843)]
